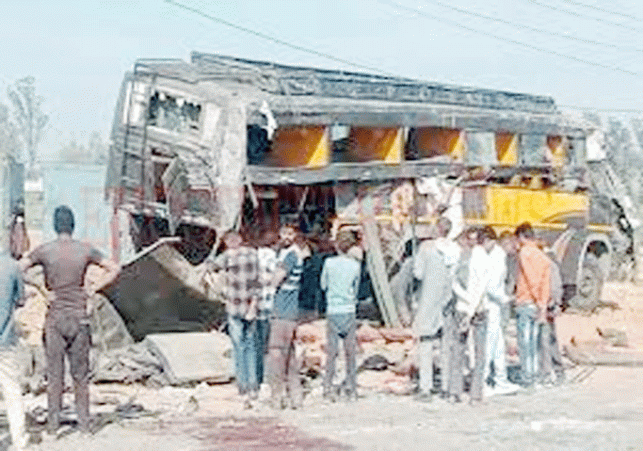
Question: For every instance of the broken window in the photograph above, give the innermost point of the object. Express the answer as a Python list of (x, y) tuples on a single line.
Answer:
[(258, 144), (481, 148), (576, 152), (339, 138), (173, 113), (534, 150), (134, 103)]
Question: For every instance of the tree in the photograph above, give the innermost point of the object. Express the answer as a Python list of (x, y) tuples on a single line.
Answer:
[(28, 115), (9, 141), (94, 152), (97, 148)]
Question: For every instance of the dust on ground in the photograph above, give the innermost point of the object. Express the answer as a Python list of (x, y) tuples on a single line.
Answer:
[(595, 409)]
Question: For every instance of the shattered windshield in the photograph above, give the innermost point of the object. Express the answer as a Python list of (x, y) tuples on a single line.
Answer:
[(173, 113)]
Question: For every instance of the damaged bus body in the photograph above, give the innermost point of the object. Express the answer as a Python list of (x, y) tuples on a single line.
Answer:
[(218, 143)]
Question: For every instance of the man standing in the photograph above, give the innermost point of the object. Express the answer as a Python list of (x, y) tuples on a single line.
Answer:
[(498, 303), (434, 268), (65, 263), (267, 266), (11, 296), (551, 366), (454, 335), (283, 364), (473, 304), (532, 296), (240, 267), (340, 280)]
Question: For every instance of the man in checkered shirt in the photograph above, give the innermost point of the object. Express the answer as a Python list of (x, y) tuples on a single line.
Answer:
[(239, 265)]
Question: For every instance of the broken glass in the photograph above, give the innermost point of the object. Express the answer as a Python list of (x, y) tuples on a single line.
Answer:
[(173, 113)]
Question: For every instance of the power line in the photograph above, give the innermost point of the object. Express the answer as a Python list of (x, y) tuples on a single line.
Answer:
[(534, 29), (441, 19), (277, 40), (584, 16), (603, 10)]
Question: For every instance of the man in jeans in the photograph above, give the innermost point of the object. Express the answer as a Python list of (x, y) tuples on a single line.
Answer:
[(340, 280), (65, 263), (473, 305), (551, 360), (498, 304), (532, 296), (454, 336), (240, 267), (283, 363), (11, 296)]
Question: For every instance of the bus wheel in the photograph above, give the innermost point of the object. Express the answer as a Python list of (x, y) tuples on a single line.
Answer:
[(590, 285)]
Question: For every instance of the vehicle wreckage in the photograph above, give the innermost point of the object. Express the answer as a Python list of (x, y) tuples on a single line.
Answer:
[(220, 143)]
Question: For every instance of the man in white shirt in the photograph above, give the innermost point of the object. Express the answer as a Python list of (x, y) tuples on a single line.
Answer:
[(472, 304), (498, 302)]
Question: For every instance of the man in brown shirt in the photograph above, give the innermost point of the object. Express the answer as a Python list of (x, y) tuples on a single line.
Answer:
[(65, 261), (532, 297)]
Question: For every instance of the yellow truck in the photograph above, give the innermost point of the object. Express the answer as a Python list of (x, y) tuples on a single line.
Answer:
[(216, 143)]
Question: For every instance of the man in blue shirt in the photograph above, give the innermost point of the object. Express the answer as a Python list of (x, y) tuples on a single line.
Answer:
[(340, 280), (283, 366), (11, 296)]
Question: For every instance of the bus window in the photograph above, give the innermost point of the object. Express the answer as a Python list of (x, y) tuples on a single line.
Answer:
[(372, 144), (533, 150), (507, 148), (481, 149), (434, 142)]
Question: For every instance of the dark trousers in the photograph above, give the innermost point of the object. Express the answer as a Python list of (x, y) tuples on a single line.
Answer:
[(341, 326), (551, 359), (454, 346), (283, 365), (263, 332), (479, 331), (67, 335)]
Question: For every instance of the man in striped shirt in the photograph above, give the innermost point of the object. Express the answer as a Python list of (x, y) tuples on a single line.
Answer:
[(239, 264)]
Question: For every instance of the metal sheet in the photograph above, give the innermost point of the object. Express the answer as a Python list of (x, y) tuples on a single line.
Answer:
[(158, 291), (193, 357)]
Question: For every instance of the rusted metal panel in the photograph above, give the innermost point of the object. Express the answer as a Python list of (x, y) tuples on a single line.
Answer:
[(305, 81), (159, 291)]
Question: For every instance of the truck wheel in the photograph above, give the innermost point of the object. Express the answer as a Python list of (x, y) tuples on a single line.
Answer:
[(590, 286)]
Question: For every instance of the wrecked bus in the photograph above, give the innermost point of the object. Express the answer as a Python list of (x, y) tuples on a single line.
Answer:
[(217, 143)]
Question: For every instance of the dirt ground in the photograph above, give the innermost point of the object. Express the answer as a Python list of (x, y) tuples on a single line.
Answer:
[(595, 409)]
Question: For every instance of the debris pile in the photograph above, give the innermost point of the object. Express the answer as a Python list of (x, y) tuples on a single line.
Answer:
[(610, 335), (168, 359), (386, 357)]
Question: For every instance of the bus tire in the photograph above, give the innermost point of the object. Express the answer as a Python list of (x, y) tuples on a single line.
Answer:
[(590, 286)]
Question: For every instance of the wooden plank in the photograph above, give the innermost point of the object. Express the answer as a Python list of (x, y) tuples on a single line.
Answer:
[(377, 268)]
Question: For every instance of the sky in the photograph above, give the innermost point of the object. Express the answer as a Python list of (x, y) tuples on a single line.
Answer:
[(78, 51)]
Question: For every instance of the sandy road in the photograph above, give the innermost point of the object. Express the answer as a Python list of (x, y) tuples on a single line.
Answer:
[(604, 412)]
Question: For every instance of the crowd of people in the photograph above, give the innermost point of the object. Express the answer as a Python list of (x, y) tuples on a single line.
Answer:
[(467, 288), (466, 291)]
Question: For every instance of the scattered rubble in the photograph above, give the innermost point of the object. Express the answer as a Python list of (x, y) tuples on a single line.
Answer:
[(168, 359), (385, 359)]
